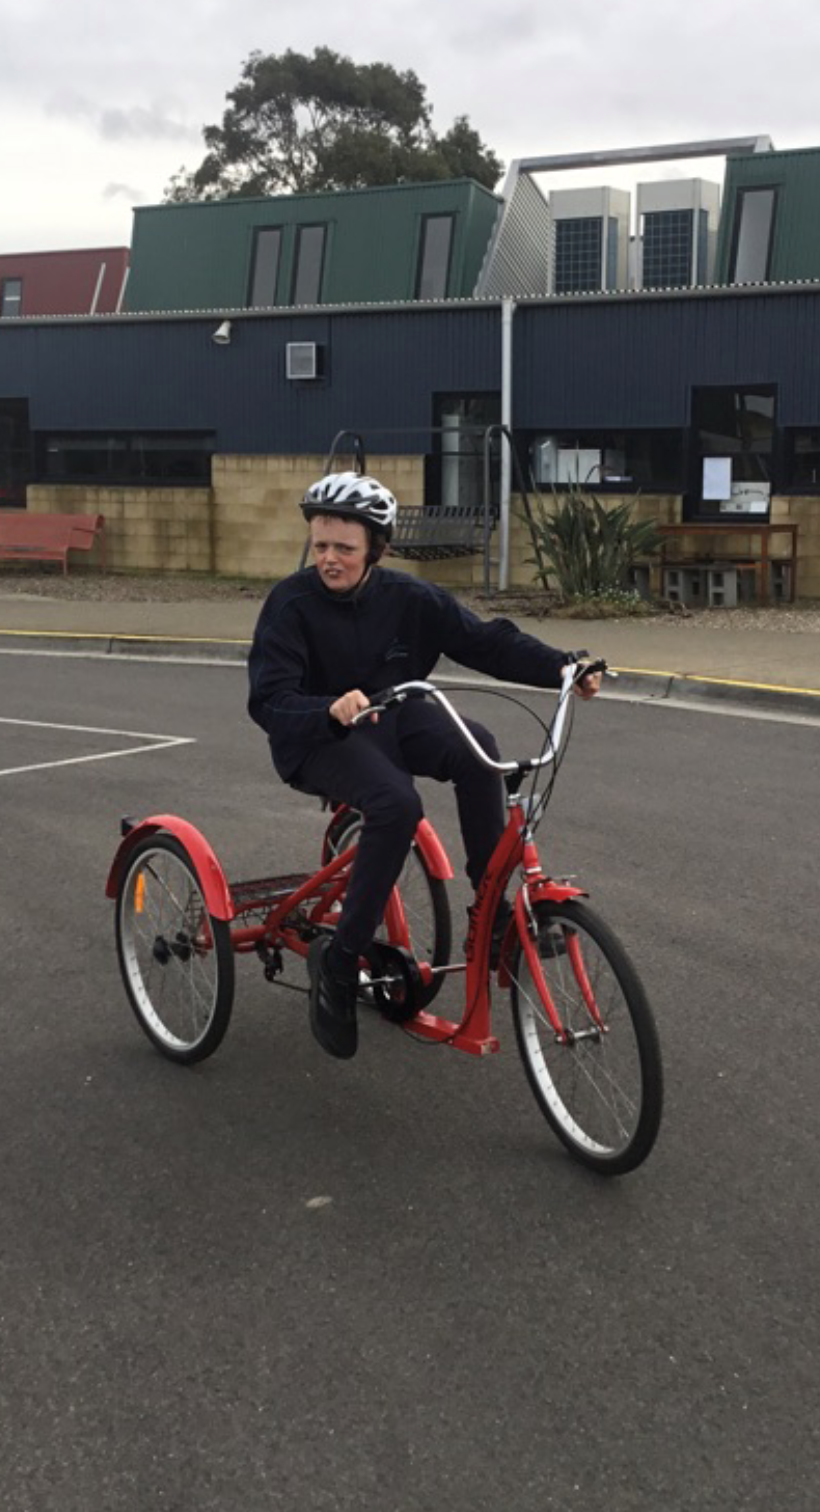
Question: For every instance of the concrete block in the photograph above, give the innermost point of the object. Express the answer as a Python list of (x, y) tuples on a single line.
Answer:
[(684, 585), (721, 587)]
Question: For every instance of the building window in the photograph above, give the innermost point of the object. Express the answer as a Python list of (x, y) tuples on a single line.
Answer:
[(752, 245), (736, 428), (609, 461), (169, 460), (310, 256), (434, 257), (667, 249), (15, 453), (11, 297), (267, 245), (464, 464), (802, 460), (578, 250)]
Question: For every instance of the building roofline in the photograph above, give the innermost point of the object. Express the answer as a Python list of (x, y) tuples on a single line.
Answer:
[(65, 252), (416, 306), (314, 194)]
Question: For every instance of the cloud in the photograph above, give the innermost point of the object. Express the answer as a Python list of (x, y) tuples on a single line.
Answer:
[(135, 123), (123, 191), (139, 124)]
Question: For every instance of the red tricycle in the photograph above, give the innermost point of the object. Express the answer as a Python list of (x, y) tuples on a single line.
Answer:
[(582, 1021)]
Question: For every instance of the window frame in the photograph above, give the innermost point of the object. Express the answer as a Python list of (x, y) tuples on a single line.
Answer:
[(259, 232), (743, 192), (130, 448), (297, 258), (434, 215), (707, 511), (5, 285)]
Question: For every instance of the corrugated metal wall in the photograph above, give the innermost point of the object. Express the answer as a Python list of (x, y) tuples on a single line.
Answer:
[(199, 256), (519, 257), (612, 363), (631, 363), (795, 250), (382, 369)]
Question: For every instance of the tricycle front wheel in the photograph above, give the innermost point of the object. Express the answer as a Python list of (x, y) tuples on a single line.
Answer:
[(600, 1083), (175, 957)]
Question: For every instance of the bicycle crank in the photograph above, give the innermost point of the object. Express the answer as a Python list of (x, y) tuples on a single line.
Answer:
[(395, 982)]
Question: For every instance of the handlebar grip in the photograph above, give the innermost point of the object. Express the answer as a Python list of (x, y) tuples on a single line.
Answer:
[(599, 665)]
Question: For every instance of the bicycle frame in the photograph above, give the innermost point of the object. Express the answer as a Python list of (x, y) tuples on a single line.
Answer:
[(516, 848), (273, 914)]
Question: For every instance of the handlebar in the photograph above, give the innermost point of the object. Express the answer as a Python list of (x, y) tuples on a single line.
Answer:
[(574, 671)]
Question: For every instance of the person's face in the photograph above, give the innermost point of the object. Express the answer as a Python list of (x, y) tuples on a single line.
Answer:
[(340, 551)]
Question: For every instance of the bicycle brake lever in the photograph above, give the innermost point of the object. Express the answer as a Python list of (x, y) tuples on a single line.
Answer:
[(383, 700)]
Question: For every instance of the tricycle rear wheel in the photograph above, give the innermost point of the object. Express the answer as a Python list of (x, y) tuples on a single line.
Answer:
[(175, 958)]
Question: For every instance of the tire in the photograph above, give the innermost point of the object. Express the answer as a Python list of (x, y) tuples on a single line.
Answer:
[(425, 900), (603, 1094), (176, 959)]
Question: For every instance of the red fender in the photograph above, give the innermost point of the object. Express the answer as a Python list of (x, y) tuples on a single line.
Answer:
[(432, 849), (214, 883)]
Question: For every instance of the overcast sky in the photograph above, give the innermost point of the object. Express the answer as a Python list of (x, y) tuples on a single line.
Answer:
[(101, 103)]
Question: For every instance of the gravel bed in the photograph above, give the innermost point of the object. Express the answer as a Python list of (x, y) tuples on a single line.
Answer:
[(169, 588)]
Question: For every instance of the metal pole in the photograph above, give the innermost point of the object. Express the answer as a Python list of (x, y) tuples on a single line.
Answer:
[(507, 312)]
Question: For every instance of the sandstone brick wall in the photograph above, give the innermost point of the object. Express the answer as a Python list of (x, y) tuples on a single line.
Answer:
[(805, 513), (247, 524)]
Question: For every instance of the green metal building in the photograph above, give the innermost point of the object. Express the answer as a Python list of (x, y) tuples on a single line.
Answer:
[(401, 242), (770, 221)]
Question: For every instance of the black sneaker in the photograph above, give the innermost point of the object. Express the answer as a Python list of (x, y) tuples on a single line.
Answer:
[(332, 1005)]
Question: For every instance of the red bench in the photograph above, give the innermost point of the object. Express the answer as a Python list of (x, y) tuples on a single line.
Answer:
[(49, 537)]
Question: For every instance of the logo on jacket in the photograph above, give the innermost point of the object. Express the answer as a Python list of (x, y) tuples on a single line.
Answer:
[(396, 650)]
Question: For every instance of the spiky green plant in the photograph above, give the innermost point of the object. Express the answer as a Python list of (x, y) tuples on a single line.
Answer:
[(586, 548)]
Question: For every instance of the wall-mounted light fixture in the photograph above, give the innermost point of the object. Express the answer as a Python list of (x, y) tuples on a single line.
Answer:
[(222, 334)]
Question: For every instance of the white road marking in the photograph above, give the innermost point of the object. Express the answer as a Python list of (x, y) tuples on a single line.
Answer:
[(157, 743)]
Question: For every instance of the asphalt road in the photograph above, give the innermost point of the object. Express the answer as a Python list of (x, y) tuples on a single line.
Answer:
[(470, 1321)]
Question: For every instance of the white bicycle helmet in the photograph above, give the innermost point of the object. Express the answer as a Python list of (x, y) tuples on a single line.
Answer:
[(352, 496)]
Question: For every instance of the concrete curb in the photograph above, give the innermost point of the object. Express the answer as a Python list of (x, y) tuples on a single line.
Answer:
[(644, 684), (67, 643), (674, 686)]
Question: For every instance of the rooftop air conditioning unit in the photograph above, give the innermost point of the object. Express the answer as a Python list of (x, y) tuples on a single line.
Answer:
[(303, 360)]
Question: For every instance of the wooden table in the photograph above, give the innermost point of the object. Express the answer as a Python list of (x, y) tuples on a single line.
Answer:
[(736, 526)]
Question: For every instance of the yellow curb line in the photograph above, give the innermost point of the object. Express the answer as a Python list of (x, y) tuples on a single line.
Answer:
[(724, 682), (119, 635)]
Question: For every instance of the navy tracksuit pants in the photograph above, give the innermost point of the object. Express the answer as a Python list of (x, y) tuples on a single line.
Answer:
[(372, 769)]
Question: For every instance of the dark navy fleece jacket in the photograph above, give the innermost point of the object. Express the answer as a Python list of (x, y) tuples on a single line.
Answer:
[(312, 645)]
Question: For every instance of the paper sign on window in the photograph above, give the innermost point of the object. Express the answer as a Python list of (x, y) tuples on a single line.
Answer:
[(717, 477)]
